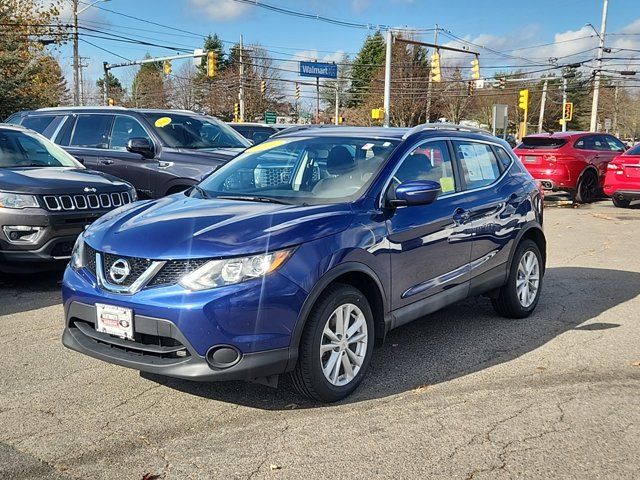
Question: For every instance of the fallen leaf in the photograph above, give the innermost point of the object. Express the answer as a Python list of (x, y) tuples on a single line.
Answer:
[(150, 476), (273, 466), (421, 388), (291, 406), (635, 364), (540, 368)]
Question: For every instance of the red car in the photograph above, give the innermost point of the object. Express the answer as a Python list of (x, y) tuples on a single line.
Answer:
[(574, 162), (622, 182)]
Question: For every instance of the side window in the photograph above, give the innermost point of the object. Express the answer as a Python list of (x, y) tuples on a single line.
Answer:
[(64, 136), (504, 158), (480, 167), (615, 145), (36, 153), (579, 144), (92, 131), (125, 128), (429, 161)]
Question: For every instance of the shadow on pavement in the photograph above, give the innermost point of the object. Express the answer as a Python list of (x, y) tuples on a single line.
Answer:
[(23, 292), (460, 340)]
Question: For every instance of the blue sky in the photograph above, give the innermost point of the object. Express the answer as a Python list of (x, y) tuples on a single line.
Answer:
[(499, 25)]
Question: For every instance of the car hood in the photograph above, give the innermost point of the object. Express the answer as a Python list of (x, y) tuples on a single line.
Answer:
[(179, 226), (52, 180)]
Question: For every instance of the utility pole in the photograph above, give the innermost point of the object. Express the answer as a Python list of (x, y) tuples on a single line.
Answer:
[(596, 84), (429, 85), (317, 99), (387, 78), (241, 93), (337, 104), (564, 102), (543, 103), (76, 60)]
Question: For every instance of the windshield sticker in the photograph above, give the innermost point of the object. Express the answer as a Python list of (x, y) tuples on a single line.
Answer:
[(162, 122), (367, 146), (261, 147), (447, 184)]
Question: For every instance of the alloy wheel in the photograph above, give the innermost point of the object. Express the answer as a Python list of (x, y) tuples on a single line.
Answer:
[(528, 278), (344, 344)]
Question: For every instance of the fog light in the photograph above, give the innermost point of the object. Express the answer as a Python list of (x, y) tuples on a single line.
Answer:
[(23, 234)]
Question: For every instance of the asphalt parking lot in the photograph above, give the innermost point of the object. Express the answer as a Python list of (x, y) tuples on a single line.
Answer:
[(461, 394)]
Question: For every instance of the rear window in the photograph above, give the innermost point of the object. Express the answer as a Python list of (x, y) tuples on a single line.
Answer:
[(634, 150), (542, 142)]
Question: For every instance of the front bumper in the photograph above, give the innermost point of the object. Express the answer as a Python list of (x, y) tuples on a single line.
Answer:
[(176, 331), (80, 335)]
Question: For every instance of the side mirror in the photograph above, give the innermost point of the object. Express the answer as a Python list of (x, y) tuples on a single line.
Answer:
[(142, 146), (415, 192)]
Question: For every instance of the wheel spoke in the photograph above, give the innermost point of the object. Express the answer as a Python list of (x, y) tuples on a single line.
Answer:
[(357, 359), (336, 368), (331, 363), (346, 365), (327, 347), (339, 314), (357, 338), (332, 336), (356, 325)]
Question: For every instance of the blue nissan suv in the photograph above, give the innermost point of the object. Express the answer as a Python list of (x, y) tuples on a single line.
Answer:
[(299, 255)]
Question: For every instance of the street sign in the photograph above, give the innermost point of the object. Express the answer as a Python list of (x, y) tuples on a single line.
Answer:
[(318, 69), (198, 53), (607, 124), (270, 117), (568, 111), (500, 117)]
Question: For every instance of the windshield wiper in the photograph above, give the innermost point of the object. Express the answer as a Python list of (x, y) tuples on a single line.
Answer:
[(253, 198)]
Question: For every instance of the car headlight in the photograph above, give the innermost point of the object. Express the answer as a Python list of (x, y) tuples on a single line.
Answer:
[(218, 273), (17, 200), (77, 254)]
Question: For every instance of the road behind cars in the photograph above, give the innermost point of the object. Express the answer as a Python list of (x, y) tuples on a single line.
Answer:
[(463, 394)]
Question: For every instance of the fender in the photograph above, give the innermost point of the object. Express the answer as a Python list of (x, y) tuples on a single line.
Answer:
[(186, 182), (586, 169), (317, 290), (529, 226)]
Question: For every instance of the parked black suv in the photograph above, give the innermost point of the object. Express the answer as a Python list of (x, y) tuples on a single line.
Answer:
[(47, 199), (158, 151), (257, 132)]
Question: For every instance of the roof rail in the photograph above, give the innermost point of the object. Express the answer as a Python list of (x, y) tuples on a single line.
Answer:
[(443, 126), (99, 107)]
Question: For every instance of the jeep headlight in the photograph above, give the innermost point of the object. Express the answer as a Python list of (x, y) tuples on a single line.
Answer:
[(17, 200), (77, 254), (218, 273)]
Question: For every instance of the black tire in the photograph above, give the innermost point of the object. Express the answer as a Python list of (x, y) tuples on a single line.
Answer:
[(588, 187), (621, 202), (308, 377), (507, 303)]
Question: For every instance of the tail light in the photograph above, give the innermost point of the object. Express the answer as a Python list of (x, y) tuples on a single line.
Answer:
[(613, 166), (554, 158)]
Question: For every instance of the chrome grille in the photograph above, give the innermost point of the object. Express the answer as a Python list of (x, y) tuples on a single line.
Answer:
[(92, 201)]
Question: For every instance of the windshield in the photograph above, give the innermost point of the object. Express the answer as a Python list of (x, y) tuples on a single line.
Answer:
[(26, 149), (634, 150), (301, 170), (194, 131), (542, 142)]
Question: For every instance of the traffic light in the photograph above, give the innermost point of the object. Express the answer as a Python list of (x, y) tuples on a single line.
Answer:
[(475, 69), (340, 120), (503, 82), (568, 111), (111, 102), (236, 111), (212, 63), (167, 67), (435, 68), (263, 87), (377, 113), (523, 99), (297, 92), (471, 86)]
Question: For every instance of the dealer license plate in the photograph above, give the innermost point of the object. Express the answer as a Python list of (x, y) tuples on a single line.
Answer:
[(115, 320)]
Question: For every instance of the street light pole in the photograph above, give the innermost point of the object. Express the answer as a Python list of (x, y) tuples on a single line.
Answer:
[(387, 78), (564, 102), (76, 59), (596, 84)]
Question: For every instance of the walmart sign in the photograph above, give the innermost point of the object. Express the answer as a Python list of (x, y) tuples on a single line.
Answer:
[(317, 69)]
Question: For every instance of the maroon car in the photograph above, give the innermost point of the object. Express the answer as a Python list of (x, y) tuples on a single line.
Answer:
[(573, 162)]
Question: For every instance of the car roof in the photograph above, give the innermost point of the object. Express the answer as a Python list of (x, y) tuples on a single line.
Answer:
[(561, 134), (12, 126), (358, 132), (252, 124), (99, 109)]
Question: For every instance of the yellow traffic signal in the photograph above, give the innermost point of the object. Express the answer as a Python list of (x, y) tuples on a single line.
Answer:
[(212, 63), (297, 92), (568, 111), (435, 68), (523, 99), (475, 69), (263, 87), (377, 113), (236, 111), (167, 67), (111, 102), (471, 87)]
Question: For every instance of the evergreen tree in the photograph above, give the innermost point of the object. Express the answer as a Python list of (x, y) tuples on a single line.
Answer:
[(148, 87), (368, 62), (116, 90)]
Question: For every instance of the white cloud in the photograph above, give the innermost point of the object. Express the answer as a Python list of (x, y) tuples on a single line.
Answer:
[(222, 10)]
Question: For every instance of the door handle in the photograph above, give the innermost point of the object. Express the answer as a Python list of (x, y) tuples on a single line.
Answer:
[(461, 216), (105, 161)]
